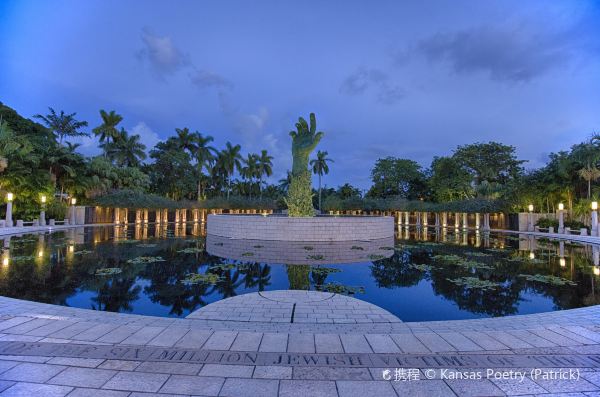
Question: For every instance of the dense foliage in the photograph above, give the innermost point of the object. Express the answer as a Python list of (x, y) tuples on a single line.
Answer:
[(38, 159)]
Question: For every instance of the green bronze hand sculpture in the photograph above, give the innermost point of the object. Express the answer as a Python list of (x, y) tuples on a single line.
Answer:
[(304, 141)]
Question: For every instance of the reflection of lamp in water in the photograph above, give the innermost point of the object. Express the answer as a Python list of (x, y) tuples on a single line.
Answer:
[(562, 262)]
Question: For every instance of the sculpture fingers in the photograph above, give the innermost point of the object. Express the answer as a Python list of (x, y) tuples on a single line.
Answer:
[(313, 124)]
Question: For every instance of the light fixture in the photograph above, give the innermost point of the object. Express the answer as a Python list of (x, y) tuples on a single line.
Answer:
[(531, 255), (562, 262), (596, 271), (594, 205), (10, 196), (5, 261), (40, 253), (530, 207), (73, 201), (44, 199), (561, 206), (71, 248)]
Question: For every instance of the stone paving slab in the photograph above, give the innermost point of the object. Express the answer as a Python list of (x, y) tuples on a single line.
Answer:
[(78, 352)]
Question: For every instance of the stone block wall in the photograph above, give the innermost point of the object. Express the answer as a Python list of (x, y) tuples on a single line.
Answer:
[(283, 228)]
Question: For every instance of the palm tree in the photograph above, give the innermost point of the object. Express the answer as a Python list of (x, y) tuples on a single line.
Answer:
[(231, 160), (185, 139), (265, 167), (284, 183), (250, 171), (589, 154), (125, 150), (63, 125), (107, 131), (589, 174), (204, 154), (320, 167)]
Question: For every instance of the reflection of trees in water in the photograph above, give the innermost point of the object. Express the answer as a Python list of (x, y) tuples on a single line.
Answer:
[(257, 276), (116, 295), (298, 276), (504, 300), (395, 271), (60, 275)]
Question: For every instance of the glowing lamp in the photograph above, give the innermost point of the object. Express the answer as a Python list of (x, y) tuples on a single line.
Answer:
[(531, 255), (594, 205), (561, 207), (596, 271), (10, 197), (40, 253), (73, 201), (562, 262), (5, 262), (530, 207), (44, 199)]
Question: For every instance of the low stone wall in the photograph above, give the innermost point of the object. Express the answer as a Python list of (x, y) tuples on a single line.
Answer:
[(325, 228)]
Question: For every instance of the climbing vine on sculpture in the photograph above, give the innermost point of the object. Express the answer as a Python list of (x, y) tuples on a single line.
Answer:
[(304, 141)]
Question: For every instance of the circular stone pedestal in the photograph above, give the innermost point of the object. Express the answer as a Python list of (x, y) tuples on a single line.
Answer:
[(320, 228)]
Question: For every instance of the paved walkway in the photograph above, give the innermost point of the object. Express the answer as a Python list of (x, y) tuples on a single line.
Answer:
[(52, 350), (7, 231)]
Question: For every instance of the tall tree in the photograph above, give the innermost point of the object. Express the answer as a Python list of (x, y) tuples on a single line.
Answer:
[(492, 162), (107, 131), (204, 154), (125, 150), (250, 170), (231, 161), (63, 125), (320, 167), (265, 166), (397, 177), (449, 180)]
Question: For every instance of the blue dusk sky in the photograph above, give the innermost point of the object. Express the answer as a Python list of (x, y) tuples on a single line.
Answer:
[(410, 79)]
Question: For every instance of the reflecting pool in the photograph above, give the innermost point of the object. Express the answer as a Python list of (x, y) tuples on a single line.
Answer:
[(420, 275)]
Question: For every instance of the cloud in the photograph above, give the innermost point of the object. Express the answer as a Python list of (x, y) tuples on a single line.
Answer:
[(207, 79), (162, 55), (373, 80), (252, 125), (505, 54), (147, 136)]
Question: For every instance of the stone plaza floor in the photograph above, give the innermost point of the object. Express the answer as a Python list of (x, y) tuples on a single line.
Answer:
[(293, 343)]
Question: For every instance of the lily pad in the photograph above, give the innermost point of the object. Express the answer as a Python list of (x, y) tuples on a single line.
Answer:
[(375, 257), (474, 283), (146, 245), (356, 247), (108, 271), (190, 250), (317, 257), (197, 278), (324, 271), (337, 288), (145, 259), (248, 254), (82, 252), (547, 279)]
